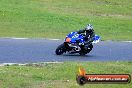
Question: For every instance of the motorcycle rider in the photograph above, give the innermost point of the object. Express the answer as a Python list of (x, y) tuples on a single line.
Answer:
[(88, 33)]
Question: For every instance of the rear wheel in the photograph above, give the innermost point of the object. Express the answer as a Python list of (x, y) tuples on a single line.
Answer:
[(82, 53), (90, 48), (60, 49), (86, 50)]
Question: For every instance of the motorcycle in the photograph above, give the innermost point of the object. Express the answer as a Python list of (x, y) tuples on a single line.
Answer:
[(75, 43)]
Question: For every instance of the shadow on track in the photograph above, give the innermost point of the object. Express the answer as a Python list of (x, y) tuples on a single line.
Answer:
[(77, 55)]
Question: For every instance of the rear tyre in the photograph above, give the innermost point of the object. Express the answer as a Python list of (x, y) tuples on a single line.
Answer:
[(60, 49), (86, 50), (90, 48), (82, 53)]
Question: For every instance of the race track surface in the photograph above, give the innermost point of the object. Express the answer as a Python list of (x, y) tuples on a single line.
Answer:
[(42, 50)]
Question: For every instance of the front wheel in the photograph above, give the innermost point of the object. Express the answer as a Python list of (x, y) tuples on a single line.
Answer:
[(60, 49)]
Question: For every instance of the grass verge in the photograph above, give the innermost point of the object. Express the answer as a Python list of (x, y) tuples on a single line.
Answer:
[(112, 19), (59, 75)]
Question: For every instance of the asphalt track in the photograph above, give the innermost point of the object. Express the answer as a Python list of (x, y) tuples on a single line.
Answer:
[(43, 50)]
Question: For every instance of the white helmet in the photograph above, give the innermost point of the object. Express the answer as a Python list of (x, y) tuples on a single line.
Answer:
[(89, 27)]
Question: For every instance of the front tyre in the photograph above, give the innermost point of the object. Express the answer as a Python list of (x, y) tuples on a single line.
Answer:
[(60, 49)]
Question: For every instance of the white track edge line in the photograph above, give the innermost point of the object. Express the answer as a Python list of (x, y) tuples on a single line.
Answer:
[(126, 41), (42, 38), (22, 64)]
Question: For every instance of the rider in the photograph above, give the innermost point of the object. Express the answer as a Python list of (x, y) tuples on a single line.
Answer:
[(88, 33)]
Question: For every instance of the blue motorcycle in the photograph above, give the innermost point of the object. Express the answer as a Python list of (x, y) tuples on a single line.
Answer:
[(75, 43)]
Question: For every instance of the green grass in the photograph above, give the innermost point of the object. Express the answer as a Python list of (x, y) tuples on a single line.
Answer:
[(60, 75), (112, 19)]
